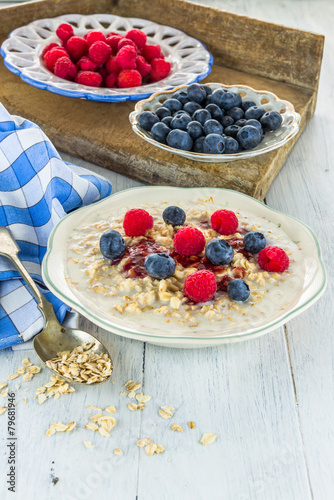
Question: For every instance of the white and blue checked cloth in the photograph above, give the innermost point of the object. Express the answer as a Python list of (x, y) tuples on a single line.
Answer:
[(37, 188)]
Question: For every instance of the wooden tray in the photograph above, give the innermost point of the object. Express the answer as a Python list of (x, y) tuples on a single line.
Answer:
[(246, 51)]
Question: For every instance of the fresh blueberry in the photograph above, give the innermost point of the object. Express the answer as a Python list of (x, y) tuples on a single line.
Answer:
[(249, 137), (180, 121), (147, 119), (227, 121), (112, 244), (179, 139), (228, 100), (247, 104), (208, 100), (196, 93), (238, 290), (231, 146), (212, 127), (159, 265), (254, 242), (254, 112), (167, 120), (232, 130), (208, 90), (235, 113), (191, 107), (163, 112), (182, 97), (219, 252), (217, 97), (173, 105), (201, 115), (195, 130), (174, 216), (254, 123), (271, 120), (160, 131), (215, 111), (198, 145), (213, 144), (241, 123)]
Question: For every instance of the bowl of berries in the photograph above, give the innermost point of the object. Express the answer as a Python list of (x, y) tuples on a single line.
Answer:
[(104, 57), (215, 122)]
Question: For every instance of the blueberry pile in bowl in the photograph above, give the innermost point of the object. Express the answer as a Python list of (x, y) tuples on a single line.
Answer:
[(209, 121), (215, 122)]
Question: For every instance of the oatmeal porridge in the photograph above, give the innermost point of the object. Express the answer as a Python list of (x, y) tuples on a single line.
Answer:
[(123, 289)]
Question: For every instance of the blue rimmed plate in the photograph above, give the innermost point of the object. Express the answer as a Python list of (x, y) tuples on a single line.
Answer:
[(189, 58)]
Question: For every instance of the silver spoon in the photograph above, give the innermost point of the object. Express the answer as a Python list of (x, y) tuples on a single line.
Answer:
[(54, 337)]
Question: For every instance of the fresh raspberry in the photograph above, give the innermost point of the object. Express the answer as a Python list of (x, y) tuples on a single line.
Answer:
[(224, 222), (124, 42), (89, 78), (64, 68), (52, 56), (86, 64), (273, 259), (126, 57), (189, 241), (160, 69), (200, 286), (138, 37), (77, 47), (94, 36), (49, 47), (103, 72), (143, 66), (137, 221), (64, 32), (113, 33), (129, 78), (110, 80), (99, 52), (112, 41), (151, 52), (112, 66)]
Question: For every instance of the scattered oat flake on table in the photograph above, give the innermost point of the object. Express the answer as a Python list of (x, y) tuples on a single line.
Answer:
[(2, 385), (132, 386), (34, 369), (103, 432), (150, 449), (160, 449), (26, 362), (4, 394), (13, 376), (96, 417), (27, 377), (208, 438), (88, 444), (21, 370), (41, 398), (143, 442), (94, 408), (91, 427), (132, 406), (176, 427), (191, 424), (142, 398), (118, 451), (110, 409), (60, 427), (165, 412), (3, 409)]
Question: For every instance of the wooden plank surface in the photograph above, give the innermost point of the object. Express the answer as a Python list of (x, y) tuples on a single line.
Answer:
[(270, 400), (101, 132)]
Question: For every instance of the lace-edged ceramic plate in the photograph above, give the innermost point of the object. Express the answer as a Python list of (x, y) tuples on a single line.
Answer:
[(267, 100), (189, 58), (309, 270)]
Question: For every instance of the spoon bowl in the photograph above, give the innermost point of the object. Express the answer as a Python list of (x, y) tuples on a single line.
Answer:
[(54, 337)]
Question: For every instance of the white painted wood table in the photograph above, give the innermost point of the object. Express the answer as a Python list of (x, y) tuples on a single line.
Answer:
[(269, 400)]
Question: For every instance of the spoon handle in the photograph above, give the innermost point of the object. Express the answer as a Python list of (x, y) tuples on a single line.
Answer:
[(10, 249)]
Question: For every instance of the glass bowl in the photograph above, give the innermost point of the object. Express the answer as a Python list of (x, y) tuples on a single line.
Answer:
[(267, 100), (189, 58)]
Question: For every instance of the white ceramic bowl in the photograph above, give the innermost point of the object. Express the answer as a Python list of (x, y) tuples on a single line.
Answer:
[(267, 100), (54, 267), (190, 60)]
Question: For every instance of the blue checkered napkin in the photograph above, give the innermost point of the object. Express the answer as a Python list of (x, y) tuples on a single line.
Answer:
[(37, 189)]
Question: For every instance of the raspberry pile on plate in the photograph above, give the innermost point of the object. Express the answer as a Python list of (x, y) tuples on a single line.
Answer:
[(111, 61)]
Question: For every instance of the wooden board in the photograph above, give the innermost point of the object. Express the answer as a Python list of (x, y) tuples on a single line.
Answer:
[(262, 55)]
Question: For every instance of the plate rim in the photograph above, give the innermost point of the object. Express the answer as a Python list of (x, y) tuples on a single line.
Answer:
[(219, 158), (85, 93), (184, 339)]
